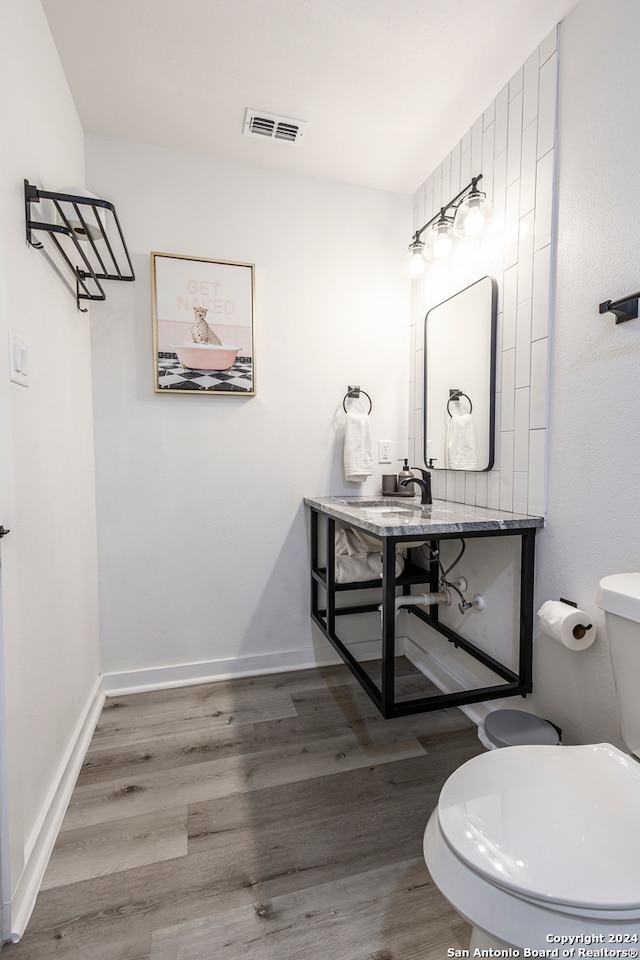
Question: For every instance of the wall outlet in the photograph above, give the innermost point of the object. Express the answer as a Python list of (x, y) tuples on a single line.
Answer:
[(384, 451)]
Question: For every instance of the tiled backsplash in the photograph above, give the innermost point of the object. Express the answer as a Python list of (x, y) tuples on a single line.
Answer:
[(513, 145)]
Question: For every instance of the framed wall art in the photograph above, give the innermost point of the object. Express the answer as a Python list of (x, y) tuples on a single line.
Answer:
[(202, 325)]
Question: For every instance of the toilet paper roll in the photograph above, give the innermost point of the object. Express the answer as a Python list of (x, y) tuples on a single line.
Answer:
[(90, 215), (566, 624)]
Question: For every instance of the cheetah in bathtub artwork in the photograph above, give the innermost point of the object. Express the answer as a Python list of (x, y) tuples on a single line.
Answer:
[(203, 325)]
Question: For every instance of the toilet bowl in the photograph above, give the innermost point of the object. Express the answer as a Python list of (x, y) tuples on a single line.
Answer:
[(536, 844)]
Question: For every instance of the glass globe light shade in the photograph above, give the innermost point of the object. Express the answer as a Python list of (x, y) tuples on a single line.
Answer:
[(415, 259), (439, 241), (472, 215)]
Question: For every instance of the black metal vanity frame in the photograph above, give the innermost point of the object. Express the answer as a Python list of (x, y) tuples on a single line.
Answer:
[(519, 683)]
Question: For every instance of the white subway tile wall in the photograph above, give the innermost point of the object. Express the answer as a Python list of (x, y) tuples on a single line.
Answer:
[(513, 145)]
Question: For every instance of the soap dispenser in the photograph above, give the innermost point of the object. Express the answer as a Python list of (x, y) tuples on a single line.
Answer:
[(405, 474)]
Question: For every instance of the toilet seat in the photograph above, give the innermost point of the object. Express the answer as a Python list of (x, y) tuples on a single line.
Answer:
[(512, 919), (506, 813)]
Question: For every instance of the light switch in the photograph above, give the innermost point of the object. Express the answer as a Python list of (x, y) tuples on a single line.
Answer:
[(18, 360)]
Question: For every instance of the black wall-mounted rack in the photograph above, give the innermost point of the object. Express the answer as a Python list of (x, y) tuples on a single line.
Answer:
[(626, 308), (85, 230)]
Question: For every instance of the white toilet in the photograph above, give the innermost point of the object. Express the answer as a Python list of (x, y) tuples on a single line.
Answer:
[(533, 844)]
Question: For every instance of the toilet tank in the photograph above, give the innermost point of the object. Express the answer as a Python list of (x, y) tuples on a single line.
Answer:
[(619, 597)]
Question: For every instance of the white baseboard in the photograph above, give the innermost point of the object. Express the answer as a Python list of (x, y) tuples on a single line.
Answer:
[(444, 677), (207, 671), (44, 834)]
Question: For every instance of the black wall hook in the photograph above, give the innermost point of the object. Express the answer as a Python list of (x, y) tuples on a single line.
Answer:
[(624, 309)]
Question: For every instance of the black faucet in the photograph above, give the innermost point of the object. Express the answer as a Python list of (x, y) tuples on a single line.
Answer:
[(424, 484)]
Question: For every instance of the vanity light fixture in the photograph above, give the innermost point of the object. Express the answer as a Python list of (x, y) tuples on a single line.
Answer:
[(464, 216)]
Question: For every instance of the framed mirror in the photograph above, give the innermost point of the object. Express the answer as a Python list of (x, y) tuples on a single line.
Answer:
[(460, 379)]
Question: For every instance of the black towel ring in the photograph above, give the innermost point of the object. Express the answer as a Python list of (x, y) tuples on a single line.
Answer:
[(456, 396), (355, 394)]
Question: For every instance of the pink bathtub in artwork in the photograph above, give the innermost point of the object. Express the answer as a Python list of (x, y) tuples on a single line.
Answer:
[(205, 356)]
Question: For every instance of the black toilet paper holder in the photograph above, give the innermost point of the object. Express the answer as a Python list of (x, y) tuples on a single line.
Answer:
[(582, 628)]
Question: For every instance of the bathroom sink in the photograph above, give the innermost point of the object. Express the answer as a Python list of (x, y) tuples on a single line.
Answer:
[(385, 509), (388, 503), (388, 511)]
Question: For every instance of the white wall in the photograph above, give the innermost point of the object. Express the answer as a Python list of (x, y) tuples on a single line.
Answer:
[(202, 532), (49, 561), (593, 525)]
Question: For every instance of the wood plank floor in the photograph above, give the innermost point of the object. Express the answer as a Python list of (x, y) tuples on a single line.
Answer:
[(270, 818)]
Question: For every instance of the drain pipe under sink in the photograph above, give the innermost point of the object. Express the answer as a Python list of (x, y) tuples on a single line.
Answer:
[(426, 599)]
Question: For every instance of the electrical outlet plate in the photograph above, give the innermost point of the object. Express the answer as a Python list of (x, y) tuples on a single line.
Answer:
[(18, 360), (384, 451)]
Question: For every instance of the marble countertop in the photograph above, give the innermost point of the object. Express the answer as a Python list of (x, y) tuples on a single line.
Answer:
[(396, 517)]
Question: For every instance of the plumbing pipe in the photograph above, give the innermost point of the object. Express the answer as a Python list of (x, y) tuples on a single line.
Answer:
[(461, 584), (428, 599), (477, 602), (443, 596)]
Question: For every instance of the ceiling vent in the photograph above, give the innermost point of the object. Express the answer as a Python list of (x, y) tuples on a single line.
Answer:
[(270, 126)]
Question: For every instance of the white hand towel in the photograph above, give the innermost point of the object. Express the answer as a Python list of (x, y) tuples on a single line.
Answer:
[(357, 569), (354, 543), (461, 442), (358, 447), (359, 556)]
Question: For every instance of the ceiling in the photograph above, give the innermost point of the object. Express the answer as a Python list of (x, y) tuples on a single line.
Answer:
[(387, 86)]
